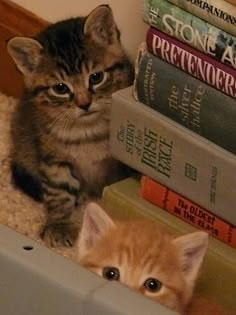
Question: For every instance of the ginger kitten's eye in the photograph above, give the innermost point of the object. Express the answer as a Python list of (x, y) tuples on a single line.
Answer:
[(60, 89), (152, 285), (96, 78), (111, 273)]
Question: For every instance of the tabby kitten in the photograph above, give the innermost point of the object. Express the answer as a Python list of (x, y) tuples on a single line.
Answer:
[(142, 256), (61, 128)]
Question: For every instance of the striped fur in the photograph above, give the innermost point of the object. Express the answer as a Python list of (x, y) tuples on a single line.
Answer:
[(141, 250), (60, 130)]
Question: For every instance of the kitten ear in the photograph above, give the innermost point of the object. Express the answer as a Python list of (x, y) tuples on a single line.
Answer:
[(101, 27), (191, 249), (95, 223), (25, 52)]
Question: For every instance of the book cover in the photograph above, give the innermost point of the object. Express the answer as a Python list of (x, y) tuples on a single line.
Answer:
[(173, 155), (187, 210), (220, 13), (192, 61), (191, 30), (122, 202), (185, 99)]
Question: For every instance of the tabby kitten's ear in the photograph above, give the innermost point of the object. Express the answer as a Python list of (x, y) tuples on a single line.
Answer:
[(95, 224), (26, 53), (101, 27), (191, 249)]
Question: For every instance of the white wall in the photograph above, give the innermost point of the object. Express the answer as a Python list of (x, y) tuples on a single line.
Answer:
[(127, 14)]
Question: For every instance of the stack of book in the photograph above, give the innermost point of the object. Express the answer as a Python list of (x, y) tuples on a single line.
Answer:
[(177, 127), (177, 124), (189, 68)]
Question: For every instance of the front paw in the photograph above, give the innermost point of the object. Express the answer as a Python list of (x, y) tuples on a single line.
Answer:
[(60, 234)]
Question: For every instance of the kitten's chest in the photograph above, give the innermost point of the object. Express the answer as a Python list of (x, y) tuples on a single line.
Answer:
[(89, 155), (89, 160)]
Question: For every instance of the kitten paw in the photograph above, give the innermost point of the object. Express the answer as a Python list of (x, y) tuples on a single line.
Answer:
[(59, 234)]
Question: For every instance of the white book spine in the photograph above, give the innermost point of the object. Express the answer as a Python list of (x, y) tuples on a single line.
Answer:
[(173, 155)]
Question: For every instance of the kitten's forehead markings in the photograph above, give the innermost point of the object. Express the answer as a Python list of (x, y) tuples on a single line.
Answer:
[(55, 76), (62, 74), (85, 73)]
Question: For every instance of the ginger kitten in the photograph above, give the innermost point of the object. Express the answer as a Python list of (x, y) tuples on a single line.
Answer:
[(60, 131), (144, 257)]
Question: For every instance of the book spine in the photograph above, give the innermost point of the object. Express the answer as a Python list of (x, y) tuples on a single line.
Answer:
[(187, 210), (217, 12), (185, 99), (192, 61), (173, 155), (191, 30)]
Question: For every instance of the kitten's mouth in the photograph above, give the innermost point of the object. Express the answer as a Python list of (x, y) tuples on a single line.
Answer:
[(88, 113)]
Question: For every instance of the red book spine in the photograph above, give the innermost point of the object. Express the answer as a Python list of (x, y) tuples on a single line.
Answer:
[(192, 61), (187, 210)]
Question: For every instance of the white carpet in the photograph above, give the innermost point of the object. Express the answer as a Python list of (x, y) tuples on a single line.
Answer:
[(17, 210)]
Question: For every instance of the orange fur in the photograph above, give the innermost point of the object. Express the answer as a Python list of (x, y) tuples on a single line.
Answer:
[(141, 250)]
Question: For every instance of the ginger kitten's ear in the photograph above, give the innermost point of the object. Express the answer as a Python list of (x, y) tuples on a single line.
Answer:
[(101, 27), (191, 249), (26, 53), (95, 223)]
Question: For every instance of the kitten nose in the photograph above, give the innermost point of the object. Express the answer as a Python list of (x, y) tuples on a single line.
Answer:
[(83, 99), (85, 106)]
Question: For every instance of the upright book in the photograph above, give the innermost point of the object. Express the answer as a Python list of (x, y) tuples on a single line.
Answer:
[(185, 99), (173, 155), (191, 30), (187, 210), (220, 13), (192, 61)]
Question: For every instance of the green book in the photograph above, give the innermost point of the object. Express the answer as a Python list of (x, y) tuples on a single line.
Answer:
[(191, 30), (185, 99), (218, 277), (220, 13)]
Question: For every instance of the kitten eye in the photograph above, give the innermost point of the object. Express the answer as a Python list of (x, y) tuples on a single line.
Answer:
[(152, 285), (111, 273), (60, 89), (96, 78)]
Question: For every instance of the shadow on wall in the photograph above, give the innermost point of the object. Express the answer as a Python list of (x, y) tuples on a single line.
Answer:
[(127, 14)]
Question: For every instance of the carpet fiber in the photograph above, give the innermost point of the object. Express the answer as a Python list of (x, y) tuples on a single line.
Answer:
[(17, 210)]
